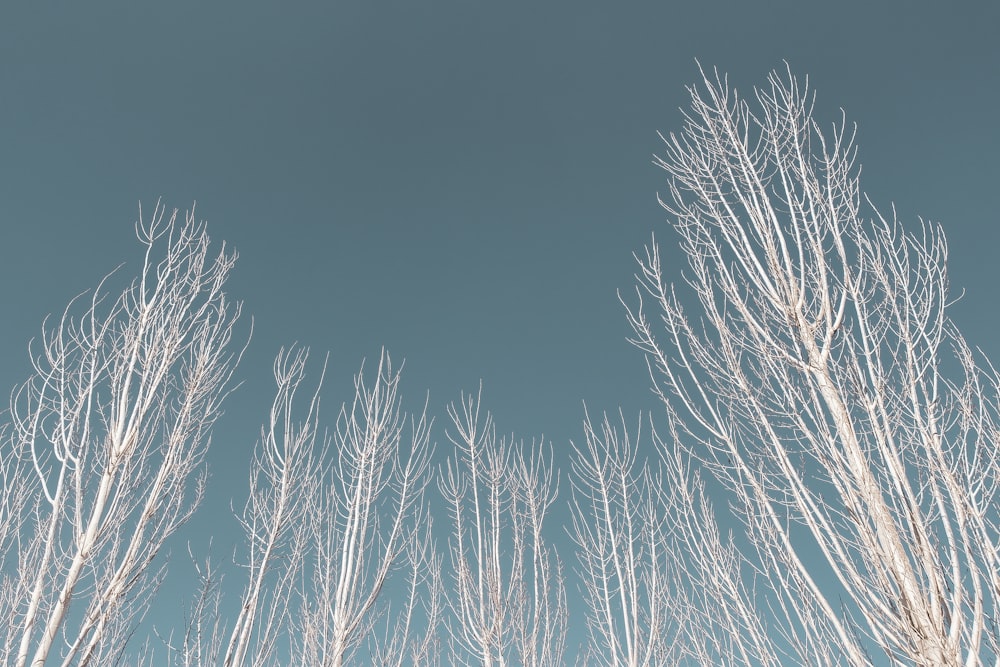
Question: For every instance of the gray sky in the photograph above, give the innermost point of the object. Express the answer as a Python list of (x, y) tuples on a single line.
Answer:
[(462, 182)]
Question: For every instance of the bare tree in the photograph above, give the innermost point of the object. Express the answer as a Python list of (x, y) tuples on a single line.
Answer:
[(106, 437), (328, 523), (365, 513), (275, 523), (202, 640), (825, 386), (412, 624), (275, 519), (508, 599), (620, 508)]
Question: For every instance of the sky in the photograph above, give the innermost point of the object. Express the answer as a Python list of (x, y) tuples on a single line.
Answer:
[(463, 183)]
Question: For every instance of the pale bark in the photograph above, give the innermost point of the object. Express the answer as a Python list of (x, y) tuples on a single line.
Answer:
[(275, 519), (110, 431), (825, 386), (620, 508), (507, 596), (364, 518)]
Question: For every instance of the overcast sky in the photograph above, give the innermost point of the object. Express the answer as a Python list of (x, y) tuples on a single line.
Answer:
[(462, 182)]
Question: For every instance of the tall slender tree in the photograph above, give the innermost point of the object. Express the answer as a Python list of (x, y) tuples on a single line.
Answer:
[(621, 502), (507, 597), (365, 522), (276, 518), (100, 463), (330, 520), (824, 384)]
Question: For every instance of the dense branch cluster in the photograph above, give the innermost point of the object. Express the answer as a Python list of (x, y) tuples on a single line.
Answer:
[(821, 389), (825, 387)]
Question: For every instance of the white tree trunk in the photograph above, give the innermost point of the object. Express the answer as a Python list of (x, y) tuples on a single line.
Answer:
[(817, 388), (111, 428)]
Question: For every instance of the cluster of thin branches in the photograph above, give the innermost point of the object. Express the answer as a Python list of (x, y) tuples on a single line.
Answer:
[(824, 386), (105, 439), (620, 508), (330, 518), (102, 463), (822, 389), (507, 597)]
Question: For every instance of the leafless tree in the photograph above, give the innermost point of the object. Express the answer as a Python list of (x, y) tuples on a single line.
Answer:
[(201, 639), (106, 437), (275, 523), (365, 525), (275, 519), (825, 386), (413, 622), (507, 599), (620, 508), (328, 522)]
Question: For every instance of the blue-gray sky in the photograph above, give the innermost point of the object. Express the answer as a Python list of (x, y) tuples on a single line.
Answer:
[(462, 182)]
